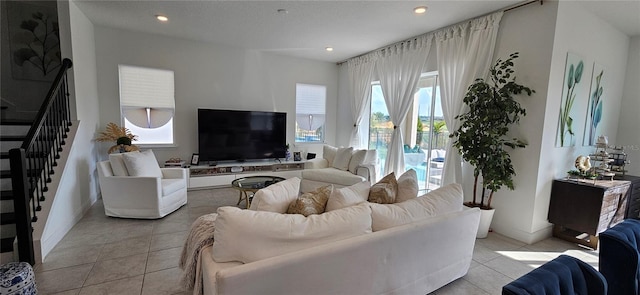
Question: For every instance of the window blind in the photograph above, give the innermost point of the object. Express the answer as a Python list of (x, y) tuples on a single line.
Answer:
[(310, 106), (146, 88)]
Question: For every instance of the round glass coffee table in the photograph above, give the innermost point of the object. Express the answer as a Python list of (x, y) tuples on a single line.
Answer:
[(251, 184)]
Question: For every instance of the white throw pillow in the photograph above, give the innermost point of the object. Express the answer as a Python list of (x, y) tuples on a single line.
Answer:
[(361, 157), (247, 236), (329, 153), (348, 196), (343, 156), (356, 160), (117, 164), (276, 197), (142, 164), (407, 186), (441, 201)]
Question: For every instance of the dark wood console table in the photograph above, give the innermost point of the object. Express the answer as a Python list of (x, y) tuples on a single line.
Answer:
[(633, 205), (581, 209)]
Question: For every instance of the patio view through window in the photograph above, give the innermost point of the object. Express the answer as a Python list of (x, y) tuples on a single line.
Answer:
[(424, 131), (310, 112)]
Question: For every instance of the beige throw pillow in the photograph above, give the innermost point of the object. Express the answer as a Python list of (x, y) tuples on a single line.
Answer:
[(312, 202), (407, 186), (348, 196), (142, 164), (385, 190), (444, 200), (343, 156), (247, 236), (276, 197)]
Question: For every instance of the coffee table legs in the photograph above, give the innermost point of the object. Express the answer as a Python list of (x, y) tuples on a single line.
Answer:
[(244, 195)]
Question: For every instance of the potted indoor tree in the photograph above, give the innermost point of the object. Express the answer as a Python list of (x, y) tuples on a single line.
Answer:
[(482, 136)]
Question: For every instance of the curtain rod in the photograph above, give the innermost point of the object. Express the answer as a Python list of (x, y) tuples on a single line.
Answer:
[(416, 37)]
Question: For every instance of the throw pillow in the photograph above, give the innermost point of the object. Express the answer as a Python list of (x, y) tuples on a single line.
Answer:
[(343, 156), (117, 164), (407, 186), (444, 200), (385, 190), (348, 196), (276, 197), (142, 164), (248, 236), (361, 157), (329, 153), (312, 202)]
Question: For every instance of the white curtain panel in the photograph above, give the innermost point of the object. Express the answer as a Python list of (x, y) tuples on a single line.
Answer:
[(465, 53), (360, 75), (399, 68)]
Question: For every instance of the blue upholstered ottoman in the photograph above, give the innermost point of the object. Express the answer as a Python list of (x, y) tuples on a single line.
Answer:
[(17, 278)]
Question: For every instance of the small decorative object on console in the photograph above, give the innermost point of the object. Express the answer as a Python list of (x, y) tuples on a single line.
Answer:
[(296, 156), (311, 156), (583, 164), (195, 159), (174, 162)]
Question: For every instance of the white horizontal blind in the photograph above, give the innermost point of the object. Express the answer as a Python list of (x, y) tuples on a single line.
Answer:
[(146, 87), (310, 106)]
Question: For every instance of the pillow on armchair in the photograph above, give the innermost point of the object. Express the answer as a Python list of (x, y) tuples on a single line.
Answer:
[(142, 164), (117, 164)]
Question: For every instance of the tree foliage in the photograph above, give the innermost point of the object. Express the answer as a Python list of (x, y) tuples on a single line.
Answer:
[(482, 136)]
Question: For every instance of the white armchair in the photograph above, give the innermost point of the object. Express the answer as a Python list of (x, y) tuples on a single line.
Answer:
[(142, 196)]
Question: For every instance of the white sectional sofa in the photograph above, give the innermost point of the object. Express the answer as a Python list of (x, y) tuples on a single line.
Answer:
[(340, 167), (412, 247)]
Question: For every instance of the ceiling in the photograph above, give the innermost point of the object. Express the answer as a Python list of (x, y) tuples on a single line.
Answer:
[(350, 27)]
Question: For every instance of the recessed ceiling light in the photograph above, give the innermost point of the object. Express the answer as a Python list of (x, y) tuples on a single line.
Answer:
[(420, 9), (328, 49), (162, 18)]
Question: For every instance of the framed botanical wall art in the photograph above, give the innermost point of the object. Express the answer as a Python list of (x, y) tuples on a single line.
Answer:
[(595, 106), (574, 68), (34, 40)]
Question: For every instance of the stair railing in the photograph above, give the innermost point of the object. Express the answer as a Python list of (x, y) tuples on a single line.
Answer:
[(32, 164)]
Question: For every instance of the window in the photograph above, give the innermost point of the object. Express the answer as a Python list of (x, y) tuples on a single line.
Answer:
[(147, 103), (424, 130), (310, 112)]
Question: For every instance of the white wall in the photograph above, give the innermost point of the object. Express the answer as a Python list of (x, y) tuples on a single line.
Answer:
[(78, 185), (628, 131), (209, 76), (528, 30), (580, 32)]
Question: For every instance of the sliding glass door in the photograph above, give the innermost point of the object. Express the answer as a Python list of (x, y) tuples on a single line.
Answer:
[(425, 133)]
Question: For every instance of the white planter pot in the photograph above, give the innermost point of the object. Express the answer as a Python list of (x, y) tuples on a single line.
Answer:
[(485, 221)]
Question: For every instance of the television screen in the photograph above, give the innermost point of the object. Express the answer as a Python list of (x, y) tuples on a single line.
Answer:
[(225, 135)]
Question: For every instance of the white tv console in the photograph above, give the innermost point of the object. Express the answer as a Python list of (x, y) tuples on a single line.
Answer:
[(222, 174)]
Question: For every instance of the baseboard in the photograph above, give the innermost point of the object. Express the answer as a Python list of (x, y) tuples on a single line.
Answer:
[(55, 238), (525, 237)]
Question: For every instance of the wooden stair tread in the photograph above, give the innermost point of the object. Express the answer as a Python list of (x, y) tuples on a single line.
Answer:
[(7, 218), (6, 195), (6, 245)]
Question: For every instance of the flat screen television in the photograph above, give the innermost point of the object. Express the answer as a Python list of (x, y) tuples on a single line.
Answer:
[(229, 135)]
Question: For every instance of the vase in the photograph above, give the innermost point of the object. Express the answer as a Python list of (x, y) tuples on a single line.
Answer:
[(287, 155), (486, 215)]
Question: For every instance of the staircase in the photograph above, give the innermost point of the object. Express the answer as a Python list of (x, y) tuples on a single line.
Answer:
[(12, 134), (33, 151)]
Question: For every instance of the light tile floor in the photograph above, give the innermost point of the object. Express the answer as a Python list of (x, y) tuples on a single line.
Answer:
[(104, 255)]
